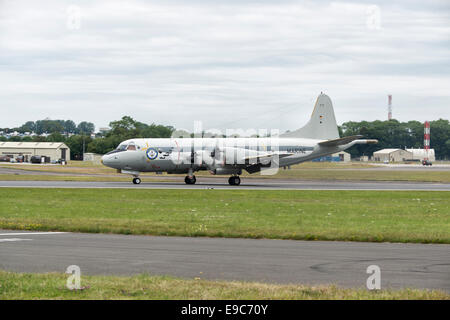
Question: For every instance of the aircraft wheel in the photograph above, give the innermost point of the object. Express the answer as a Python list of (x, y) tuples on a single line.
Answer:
[(190, 180), (136, 180), (234, 181)]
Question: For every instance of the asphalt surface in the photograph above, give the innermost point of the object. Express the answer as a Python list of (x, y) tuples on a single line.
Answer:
[(273, 261), (253, 184), (26, 168)]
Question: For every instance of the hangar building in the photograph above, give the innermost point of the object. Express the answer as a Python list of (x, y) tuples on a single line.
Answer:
[(392, 155), (51, 150)]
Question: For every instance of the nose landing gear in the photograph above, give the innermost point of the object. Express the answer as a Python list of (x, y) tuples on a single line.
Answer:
[(190, 180), (136, 180), (234, 181)]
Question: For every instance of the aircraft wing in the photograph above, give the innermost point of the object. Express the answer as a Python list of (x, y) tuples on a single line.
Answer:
[(339, 142), (267, 156)]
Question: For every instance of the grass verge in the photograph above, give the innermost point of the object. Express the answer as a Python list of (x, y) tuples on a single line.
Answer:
[(52, 286), (34, 177), (378, 216), (363, 175)]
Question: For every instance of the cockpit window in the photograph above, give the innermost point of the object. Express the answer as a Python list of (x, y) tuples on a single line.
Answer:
[(122, 147), (125, 147), (131, 146)]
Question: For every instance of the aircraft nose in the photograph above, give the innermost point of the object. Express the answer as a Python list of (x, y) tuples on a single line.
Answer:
[(106, 160), (111, 160)]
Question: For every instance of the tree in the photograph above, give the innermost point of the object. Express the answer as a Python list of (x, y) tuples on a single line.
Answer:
[(56, 137), (75, 143), (127, 128), (395, 134), (104, 145), (157, 131), (29, 126), (15, 139), (39, 139), (49, 126), (85, 128), (127, 123), (440, 135), (70, 126)]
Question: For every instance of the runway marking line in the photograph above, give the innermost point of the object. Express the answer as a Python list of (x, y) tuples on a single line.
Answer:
[(14, 239), (28, 233)]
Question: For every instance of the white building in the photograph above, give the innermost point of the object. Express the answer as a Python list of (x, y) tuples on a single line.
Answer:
[(392, 155), (421, 154), (94, 157), (343, 156)]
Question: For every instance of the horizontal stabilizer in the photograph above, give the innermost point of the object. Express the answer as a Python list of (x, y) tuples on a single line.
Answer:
[(339, 142)]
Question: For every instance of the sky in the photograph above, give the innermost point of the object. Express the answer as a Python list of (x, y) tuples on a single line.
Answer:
[(230, 64)]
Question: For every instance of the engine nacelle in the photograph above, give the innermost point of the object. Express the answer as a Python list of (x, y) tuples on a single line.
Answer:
[(226, 171)]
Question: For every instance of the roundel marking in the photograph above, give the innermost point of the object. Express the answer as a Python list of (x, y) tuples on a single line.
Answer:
[(152, 153)]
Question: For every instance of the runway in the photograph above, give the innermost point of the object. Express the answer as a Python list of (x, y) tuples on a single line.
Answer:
[(248, 184), (273, 261)]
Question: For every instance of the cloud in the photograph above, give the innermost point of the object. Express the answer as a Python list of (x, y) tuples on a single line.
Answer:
[(234, 64)]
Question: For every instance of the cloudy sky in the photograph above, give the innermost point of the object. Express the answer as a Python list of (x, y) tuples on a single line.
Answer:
[(230, 64)]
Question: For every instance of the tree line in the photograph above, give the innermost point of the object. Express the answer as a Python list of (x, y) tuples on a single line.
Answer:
[(127, 128), (390, 134), (50, 126), (79, 137), (395, 134)]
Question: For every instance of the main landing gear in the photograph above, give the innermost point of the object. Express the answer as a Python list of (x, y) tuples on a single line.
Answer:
[(190, 180), (136, 180), (234, 181)]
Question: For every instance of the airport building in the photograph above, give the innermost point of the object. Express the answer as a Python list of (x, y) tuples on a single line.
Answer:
[(93, 157), (421, 154), (49, 150), (335, 157), (392, 155)]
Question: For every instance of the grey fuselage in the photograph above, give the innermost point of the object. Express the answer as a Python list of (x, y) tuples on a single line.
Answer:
[(219, 155)]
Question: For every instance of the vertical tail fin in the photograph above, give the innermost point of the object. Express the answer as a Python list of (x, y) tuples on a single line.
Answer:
[(322, 124)]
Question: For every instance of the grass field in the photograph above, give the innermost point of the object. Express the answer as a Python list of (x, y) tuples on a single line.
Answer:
[(361, 175), (52, 286), (400, 216), (348, 175), (85, 167), (33, 177)]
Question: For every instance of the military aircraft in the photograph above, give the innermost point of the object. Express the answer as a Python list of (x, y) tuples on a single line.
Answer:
[(230, 156)]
